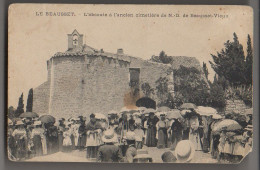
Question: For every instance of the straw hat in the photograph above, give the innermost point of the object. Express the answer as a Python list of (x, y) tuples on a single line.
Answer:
[(109, 136), (37, 123), (184, 151), (142, 153), (19, 122)]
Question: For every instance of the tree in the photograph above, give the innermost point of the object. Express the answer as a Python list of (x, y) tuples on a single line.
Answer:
[(230, 62), (249, 62), (205, 70), (217, 95), (162, 58), (11, 112), (29, 101), (190, 86), (20, 107)]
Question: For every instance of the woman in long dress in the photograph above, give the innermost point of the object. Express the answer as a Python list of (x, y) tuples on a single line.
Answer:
[(176, 133), (162, 132), (39, 139), (194, 136), (205, 143), (151, 130), (61, 129), (82, 135), (94, 130), (20, 137)]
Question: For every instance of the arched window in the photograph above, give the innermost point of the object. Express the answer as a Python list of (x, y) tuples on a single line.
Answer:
[(75, 39)]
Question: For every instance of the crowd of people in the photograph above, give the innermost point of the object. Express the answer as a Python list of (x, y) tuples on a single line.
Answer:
[(125, 136)]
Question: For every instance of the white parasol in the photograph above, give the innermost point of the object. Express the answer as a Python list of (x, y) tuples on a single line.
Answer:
[(206, 111), (227, 124)]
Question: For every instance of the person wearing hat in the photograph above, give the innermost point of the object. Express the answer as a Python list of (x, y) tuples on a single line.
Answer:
[(82, 134), (139, 136), (162, 132), (61, 129), (176, 133), (94, 130), (151, 129), (109, 152), (67, 142), (10, 139), (39, 139), (75, 132), (142, 156), (20, 137), (131, 150), (184, 151)]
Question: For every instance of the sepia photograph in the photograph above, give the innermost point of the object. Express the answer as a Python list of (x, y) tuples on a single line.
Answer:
[(130, 83)]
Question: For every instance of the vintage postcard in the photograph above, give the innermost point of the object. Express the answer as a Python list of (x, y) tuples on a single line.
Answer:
[(130, 83)]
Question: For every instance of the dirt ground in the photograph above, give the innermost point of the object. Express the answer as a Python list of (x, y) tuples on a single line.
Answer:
[(80, 156)]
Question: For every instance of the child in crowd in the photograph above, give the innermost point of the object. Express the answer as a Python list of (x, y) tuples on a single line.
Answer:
[(139, 136), (67, 144)]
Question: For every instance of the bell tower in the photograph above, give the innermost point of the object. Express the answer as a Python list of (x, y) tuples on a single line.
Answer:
[(75, 40)]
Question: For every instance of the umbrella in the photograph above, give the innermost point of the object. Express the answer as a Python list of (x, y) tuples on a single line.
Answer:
[(163, 109), (188, 106), (29, 115), (100, 116), (206, 111), (249, 111), (159, 113), (112, 112), (149, 111), (227, 124), (183, 112), (174, 114), (142, 108), (216, 116), (47, 119)]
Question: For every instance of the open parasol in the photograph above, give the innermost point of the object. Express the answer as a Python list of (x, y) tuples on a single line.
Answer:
[(227, 124), (29, 115), (216, 116), (142, 108), (100, 116), (112, 112), (47, 119), (174, 114), (163, 109), (206, 111), (188, 106), (150, 110)]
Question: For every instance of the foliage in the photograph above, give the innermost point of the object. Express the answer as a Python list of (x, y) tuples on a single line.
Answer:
[(241, 119), (230, 62), (11, 112), (190, 86), (20, 106), (147, 89), (205, 70), (162, 58), (217, 95), (29, 101), (249, 62), (162, 89), (241, 93)]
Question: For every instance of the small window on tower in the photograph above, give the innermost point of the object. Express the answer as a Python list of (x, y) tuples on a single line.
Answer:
[(75, 39)]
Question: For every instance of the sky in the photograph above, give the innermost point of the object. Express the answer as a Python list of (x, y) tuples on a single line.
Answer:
[(32, 40)]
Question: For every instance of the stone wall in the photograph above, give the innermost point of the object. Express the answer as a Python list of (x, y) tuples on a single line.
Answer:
[(237, 106), (41, 99)]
